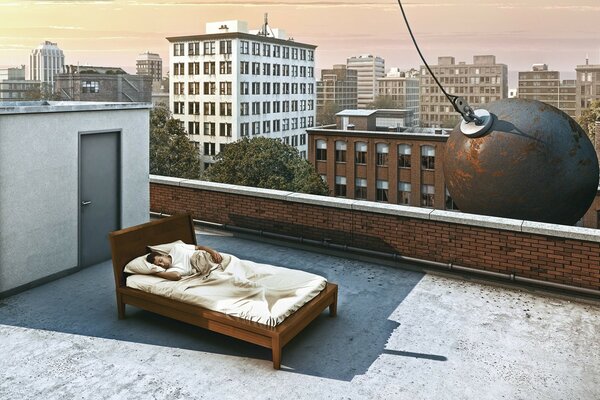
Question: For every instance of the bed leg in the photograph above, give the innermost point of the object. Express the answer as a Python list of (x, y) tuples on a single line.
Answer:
[(333, 306), (120, 307), (276, 350)]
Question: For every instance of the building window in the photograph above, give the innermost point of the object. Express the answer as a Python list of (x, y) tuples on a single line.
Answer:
[(286, 70), (382, 191), (225, 129), (276, 51), (266, 50), (285, 124), (427, 195), (276, 125), (193, 128), (294, 70), (286, 106), (209, 48), (194, 108), (403, 193), (428, 157), (266, 126), (225, 67), (404, 151), (255, 68), (244, 47), (209, 108), (266, 107), (302, 54), (209, 128), (225, 109), (244, 108), (194, 87), (209, 149), (276, 88), (360, 191), (266, 87), (382, 154), (209, 68), (255, 49), (244, 129), (255, 87), (294, 53), (276, 107), (90, 87), (244, 67), (450, 205), (210, 88), (225, 47), (294, 123), (256, 128), (286, 52), (340, 151), (244, 88), (276, 70), (225, 88), (361, 152), (266, 69), (178, 49), (193, 49), (303, 140), (340, 186), (179, 69), (178, 107), (256, 108)]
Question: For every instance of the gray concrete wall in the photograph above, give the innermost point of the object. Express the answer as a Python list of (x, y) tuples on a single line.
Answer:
[(39, 186)]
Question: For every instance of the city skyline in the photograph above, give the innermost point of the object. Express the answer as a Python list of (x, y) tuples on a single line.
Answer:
[(340, 29)]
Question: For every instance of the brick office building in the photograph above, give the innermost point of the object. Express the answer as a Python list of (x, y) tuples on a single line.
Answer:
[(366, 162)]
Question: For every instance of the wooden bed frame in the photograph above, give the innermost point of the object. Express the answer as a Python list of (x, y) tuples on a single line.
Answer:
[(126, 244)]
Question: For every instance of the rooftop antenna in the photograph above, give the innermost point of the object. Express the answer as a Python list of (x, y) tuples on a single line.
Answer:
[(475, 122), (265, 28)]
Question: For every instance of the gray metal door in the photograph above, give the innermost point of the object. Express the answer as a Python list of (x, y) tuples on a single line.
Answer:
[(99, 195)]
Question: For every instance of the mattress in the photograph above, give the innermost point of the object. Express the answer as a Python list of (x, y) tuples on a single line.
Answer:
[(262, 293)]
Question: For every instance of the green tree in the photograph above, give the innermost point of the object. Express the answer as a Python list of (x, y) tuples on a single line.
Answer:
[(41, 92), (326, 113), (588, 118), (265, 163), (171, 152), (383, 103)]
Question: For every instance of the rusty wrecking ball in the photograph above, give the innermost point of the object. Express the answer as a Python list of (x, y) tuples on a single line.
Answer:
[(533, 163)]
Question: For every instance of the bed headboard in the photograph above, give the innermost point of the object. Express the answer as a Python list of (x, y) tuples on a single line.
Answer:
[(129, 243)]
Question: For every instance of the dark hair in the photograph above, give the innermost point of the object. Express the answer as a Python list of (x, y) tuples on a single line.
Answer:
[(152, 256)]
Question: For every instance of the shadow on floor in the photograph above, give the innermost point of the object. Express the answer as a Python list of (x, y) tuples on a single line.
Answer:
[(336, 348)]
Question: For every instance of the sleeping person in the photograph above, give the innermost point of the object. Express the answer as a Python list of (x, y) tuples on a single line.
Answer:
[(184, 260)]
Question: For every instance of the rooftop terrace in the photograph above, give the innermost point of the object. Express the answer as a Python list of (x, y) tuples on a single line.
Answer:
[(399, 334)]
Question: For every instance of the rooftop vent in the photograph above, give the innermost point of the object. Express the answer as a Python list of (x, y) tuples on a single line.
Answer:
[(350, 127)]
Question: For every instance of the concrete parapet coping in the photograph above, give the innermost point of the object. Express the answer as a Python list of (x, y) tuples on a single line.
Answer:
[(453, 217), (37, 107)]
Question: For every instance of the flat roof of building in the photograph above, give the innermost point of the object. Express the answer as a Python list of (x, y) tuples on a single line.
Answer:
[(36, 107), (356, 113), (399, 334)]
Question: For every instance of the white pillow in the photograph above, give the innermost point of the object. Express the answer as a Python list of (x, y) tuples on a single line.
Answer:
[(165, 248), (139, 265)]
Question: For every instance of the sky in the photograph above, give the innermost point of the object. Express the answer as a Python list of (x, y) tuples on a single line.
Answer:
[(559, 33)]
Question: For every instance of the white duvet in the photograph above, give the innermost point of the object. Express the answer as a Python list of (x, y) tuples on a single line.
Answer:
[(257, 292)]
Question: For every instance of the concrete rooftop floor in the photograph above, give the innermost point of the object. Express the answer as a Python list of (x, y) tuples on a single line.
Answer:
[(399, 334)]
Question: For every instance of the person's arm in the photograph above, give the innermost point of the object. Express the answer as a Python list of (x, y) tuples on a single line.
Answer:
[(170, 275), (213, 253)]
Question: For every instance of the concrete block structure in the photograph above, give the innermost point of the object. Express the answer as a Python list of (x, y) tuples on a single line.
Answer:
[(587, 85), (337, 87), (14, 87), (368, 68), (69, 174), (545, 85), (402, 88)]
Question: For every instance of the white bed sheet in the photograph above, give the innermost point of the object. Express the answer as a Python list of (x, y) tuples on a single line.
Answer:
[(261, 293)]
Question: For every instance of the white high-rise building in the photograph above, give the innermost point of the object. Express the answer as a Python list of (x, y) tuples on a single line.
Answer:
[(45, 63), (368, 68), (231, 82)]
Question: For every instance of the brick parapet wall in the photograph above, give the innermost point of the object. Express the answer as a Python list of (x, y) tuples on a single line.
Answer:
[(553, 253)]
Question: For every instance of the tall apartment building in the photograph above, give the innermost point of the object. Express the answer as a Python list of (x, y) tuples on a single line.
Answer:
[(231, 83), (545, 85), (358, 160), (479, 83), (14, 87), (587, 85), (403, 89), (338, 86), (368, 68), (45, 63), (149, 64)]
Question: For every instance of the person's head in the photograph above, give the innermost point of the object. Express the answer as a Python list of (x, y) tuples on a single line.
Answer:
[(159, 259)]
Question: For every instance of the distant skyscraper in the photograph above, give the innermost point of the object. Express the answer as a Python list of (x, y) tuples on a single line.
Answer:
[(149, 64), (588, 85), (544, 85), (479, 83), (45, 63), (338, 86), (231, 83), (369, 68), (403, 89), (14, 87)]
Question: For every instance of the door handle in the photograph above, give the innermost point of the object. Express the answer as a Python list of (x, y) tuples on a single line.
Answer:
[(86, 203)]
